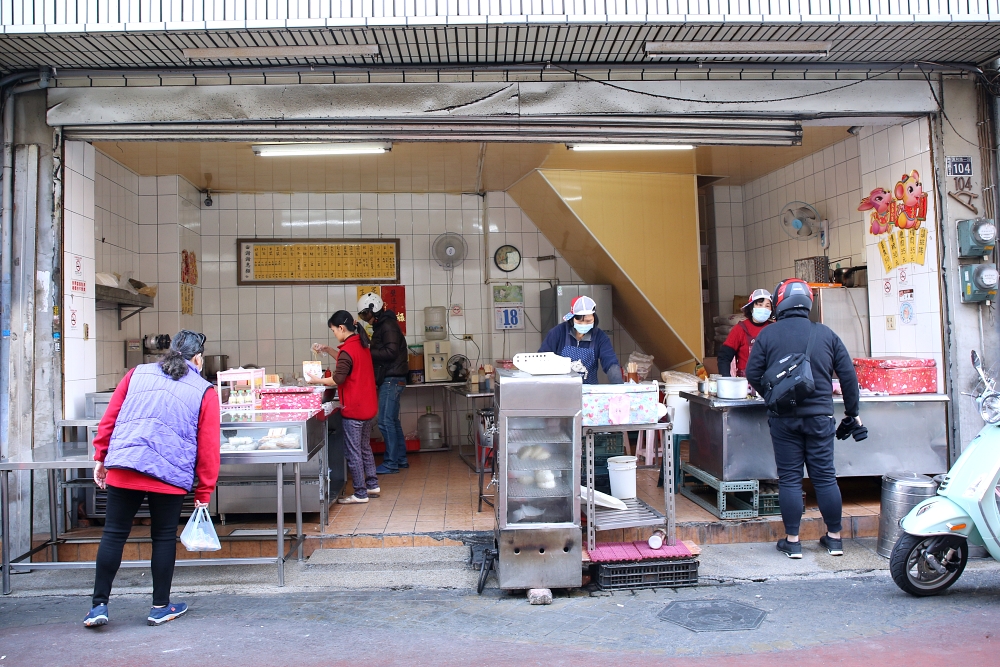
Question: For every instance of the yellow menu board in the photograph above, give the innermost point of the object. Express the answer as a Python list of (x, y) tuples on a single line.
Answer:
[(317, 261)]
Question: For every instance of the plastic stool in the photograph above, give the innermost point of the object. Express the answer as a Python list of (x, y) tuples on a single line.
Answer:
[(645, 446)]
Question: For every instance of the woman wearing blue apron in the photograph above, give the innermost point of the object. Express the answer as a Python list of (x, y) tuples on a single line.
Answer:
[(580, 339)]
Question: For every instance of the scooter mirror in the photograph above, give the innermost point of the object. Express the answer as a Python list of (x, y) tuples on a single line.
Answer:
[(977, 364)]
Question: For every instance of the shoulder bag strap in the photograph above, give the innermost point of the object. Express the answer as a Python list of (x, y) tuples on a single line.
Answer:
[(812, 337)]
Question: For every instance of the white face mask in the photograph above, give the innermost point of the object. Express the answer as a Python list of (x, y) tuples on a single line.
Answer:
[(582, 328), (761, 315)]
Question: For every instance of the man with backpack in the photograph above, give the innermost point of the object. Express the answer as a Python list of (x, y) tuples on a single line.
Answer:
[(792, 366)]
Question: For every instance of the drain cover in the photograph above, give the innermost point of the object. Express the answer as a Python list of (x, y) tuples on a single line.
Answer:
[(713, 615)]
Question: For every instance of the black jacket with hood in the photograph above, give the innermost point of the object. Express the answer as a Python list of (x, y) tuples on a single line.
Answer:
[(389, 352), (790, 334)]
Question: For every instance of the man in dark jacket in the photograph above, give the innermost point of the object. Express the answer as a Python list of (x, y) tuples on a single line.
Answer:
[(805, 432), (389, 355)]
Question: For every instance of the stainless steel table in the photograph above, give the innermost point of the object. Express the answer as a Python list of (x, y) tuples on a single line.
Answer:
[(637, 513), (77, 455), (463, 390), (731, 441)]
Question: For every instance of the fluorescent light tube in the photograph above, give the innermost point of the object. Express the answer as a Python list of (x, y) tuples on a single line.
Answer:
[(718, 50), (629, 147), (315, 51), (287, 150)]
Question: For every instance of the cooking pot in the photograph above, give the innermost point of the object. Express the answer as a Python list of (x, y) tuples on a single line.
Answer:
[(731, 388), (851, 276)]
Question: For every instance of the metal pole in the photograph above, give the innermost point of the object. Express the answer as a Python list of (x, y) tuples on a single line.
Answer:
[(298, 507), (5, 535), (53, 515), (591, 513), (281, 525)]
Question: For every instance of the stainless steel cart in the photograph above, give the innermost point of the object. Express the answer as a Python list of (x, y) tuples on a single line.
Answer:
[(638, 513), (537, 509), (78, 455)]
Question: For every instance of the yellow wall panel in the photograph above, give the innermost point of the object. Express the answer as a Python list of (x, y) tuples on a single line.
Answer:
[(637, 232)]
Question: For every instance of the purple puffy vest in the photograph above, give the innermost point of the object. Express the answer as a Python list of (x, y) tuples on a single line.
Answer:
[(156, 432)]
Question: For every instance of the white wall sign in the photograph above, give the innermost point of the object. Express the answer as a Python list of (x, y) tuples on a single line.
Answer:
[(77, 266), (509, 317)]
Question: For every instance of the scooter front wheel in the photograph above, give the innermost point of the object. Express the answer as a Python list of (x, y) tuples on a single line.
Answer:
[(916, 563)]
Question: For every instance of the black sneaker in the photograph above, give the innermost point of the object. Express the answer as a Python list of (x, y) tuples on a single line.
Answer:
[(834, 546), (790, 549)]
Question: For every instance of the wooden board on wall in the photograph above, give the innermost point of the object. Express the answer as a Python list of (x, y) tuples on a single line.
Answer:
[(317, 261)]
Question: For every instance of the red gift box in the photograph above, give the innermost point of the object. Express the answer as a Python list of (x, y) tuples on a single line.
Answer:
[(292, 398), (897, 375)]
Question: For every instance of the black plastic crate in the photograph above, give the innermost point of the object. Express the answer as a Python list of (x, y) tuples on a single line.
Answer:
[(648, 574), (602, 481)]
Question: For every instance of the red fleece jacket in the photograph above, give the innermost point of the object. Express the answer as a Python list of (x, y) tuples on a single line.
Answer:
[(206, 464)]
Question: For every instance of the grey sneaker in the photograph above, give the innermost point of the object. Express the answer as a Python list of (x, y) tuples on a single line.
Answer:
[(790, 549), (834, 546)]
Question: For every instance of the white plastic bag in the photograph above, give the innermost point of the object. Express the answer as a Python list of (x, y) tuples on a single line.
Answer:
[(199, 533)]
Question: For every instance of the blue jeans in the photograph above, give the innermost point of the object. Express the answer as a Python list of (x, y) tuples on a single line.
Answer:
[(389, 394)]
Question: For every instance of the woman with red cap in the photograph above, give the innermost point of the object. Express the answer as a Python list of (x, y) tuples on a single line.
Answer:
[(741, 339), (580, 339)]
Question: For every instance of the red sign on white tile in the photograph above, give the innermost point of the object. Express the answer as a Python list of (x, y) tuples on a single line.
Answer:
[(78, 286)]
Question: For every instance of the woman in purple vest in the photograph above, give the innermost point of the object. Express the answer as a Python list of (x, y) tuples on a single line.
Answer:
[(159, 434)]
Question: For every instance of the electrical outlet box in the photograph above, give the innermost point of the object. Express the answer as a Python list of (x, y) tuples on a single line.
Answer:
[(979, 282), (890, 322), (976, 238)]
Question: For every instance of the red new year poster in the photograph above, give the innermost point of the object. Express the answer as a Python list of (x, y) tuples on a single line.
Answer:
[(394, 297)]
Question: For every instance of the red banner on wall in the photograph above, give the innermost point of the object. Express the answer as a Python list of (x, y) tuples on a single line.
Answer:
[(394, 297)]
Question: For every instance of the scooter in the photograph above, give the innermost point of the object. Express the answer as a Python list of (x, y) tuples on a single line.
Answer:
[(933, 550)]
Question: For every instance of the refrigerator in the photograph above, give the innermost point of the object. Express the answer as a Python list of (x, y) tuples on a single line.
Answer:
[(555, 302), (845, 310)]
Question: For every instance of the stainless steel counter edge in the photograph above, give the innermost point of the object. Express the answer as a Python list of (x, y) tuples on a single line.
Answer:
[(721, 403)]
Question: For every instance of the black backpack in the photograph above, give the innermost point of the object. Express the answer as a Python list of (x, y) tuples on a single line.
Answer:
[(789, 380)]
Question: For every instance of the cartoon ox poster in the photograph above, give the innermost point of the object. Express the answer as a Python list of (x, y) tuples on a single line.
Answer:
[(898, 215)]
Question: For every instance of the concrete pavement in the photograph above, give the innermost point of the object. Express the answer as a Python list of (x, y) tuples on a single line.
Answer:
[(821, 610)]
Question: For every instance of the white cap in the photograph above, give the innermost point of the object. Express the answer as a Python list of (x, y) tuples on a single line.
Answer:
[(371, 302), (757, 295), (581, 305)]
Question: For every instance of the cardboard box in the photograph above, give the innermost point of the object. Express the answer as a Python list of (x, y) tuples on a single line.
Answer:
[(897, 375), (620, 403)]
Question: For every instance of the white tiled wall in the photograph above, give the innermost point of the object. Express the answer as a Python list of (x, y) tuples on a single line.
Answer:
[(830, 180), (275, 326), (726, 209), (169, 221), (886, 155), (835, 180), (80, 367), (116, 243)]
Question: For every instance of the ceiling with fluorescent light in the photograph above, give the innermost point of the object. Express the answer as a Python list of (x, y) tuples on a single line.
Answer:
[(539, 44), (438, 166)]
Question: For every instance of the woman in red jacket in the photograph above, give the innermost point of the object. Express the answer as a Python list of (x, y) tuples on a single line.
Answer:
[(158, 437), (740, 341), (355, 382)]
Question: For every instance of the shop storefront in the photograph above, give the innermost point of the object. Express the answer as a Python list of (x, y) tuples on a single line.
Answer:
[(165, 182)]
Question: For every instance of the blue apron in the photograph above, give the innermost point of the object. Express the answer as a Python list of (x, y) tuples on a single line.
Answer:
[(585, 355)]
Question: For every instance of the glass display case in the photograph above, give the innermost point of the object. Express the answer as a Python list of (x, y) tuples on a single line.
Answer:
[(252, 442), (540, 467), (538, 538)]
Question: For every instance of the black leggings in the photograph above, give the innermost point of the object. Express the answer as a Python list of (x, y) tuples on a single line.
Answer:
[(165, 514)]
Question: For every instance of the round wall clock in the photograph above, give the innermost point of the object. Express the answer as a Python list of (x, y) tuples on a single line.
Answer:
[(507, 258)]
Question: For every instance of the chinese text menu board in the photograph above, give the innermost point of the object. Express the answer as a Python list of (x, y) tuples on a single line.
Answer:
[(289, 261)]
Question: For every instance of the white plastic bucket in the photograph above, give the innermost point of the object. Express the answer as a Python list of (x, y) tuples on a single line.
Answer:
[(621, 471), (682, 410)]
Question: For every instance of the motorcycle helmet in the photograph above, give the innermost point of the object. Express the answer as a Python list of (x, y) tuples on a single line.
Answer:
[(370, 302), (792, 293)]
